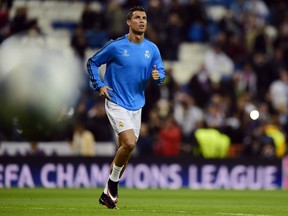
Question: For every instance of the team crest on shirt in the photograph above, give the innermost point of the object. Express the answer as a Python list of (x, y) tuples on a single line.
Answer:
[(147, 54), (125, 53), (121, 124)]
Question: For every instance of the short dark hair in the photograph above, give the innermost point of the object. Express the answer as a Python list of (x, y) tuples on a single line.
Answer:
[(135, 8)]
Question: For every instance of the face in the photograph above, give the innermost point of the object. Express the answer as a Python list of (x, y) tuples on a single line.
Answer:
[(138, 22)]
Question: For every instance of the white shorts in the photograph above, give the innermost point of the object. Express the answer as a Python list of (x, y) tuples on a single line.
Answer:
[(122, 119)]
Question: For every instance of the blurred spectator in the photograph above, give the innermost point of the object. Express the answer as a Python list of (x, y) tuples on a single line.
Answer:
[(176, 7), (212, 143), (251, 30), (259, 144), (257, 8), (195, 12), (98, 123), (154, 123), (232, 124), (264, 74), (4, 15), (236, 51), (215, 112), (83, 142), (278, 97), (265, 112), (94, 25), (278, 11), (81, 110), (195, 20), (234, 38), (4, 24), (7, 3), (281, 42), (274, 131), (263, 41), (115, 16), (240, 110), (20, 20), (238, 7), (169, 140), (230, 25), (91, 18), (200, 87), (79, 42), (188, 116), (169, 87), (32, 26), (145, 143), (174, 32), (164, 108), (219, 66), (245, 80), (35, 150), (278, 60), (259, 147), (153, 94), (157, 23), (278, 92), (127, 4)]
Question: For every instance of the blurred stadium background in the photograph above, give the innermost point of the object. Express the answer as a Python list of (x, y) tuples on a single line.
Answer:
[(225, 96)]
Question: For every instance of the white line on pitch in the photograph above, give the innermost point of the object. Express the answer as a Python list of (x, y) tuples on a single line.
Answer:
[(37, 208), (73, 209), (157, 211), (240, 214), (138, 210)]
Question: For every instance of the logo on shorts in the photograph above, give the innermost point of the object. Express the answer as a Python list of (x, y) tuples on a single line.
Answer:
[(121, 124)]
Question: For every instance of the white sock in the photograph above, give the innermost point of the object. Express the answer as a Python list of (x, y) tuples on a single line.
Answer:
[(115, 174), (106, 188)]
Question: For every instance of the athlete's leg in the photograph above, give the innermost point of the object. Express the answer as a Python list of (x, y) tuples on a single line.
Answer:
[(126, 126), (127, 143)]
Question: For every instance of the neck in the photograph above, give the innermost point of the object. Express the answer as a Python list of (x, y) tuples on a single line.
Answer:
[(135, 38)]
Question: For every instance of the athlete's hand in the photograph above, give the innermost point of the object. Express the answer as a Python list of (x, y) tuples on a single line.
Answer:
[(155, 73), (103, 92)]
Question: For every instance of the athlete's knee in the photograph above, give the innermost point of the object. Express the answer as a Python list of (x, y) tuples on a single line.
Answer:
[(129, 145), (127, 140)]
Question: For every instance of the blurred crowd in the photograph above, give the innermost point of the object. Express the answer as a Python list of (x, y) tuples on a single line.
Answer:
[(238, 97)]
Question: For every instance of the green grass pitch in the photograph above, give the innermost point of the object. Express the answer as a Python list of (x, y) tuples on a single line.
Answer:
[(148, 202)]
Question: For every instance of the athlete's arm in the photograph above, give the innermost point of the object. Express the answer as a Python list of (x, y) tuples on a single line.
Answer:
[(158, 72), (102, 56), (103, 92)]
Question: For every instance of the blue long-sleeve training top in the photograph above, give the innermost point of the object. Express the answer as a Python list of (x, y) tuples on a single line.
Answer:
[(128, 67)]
